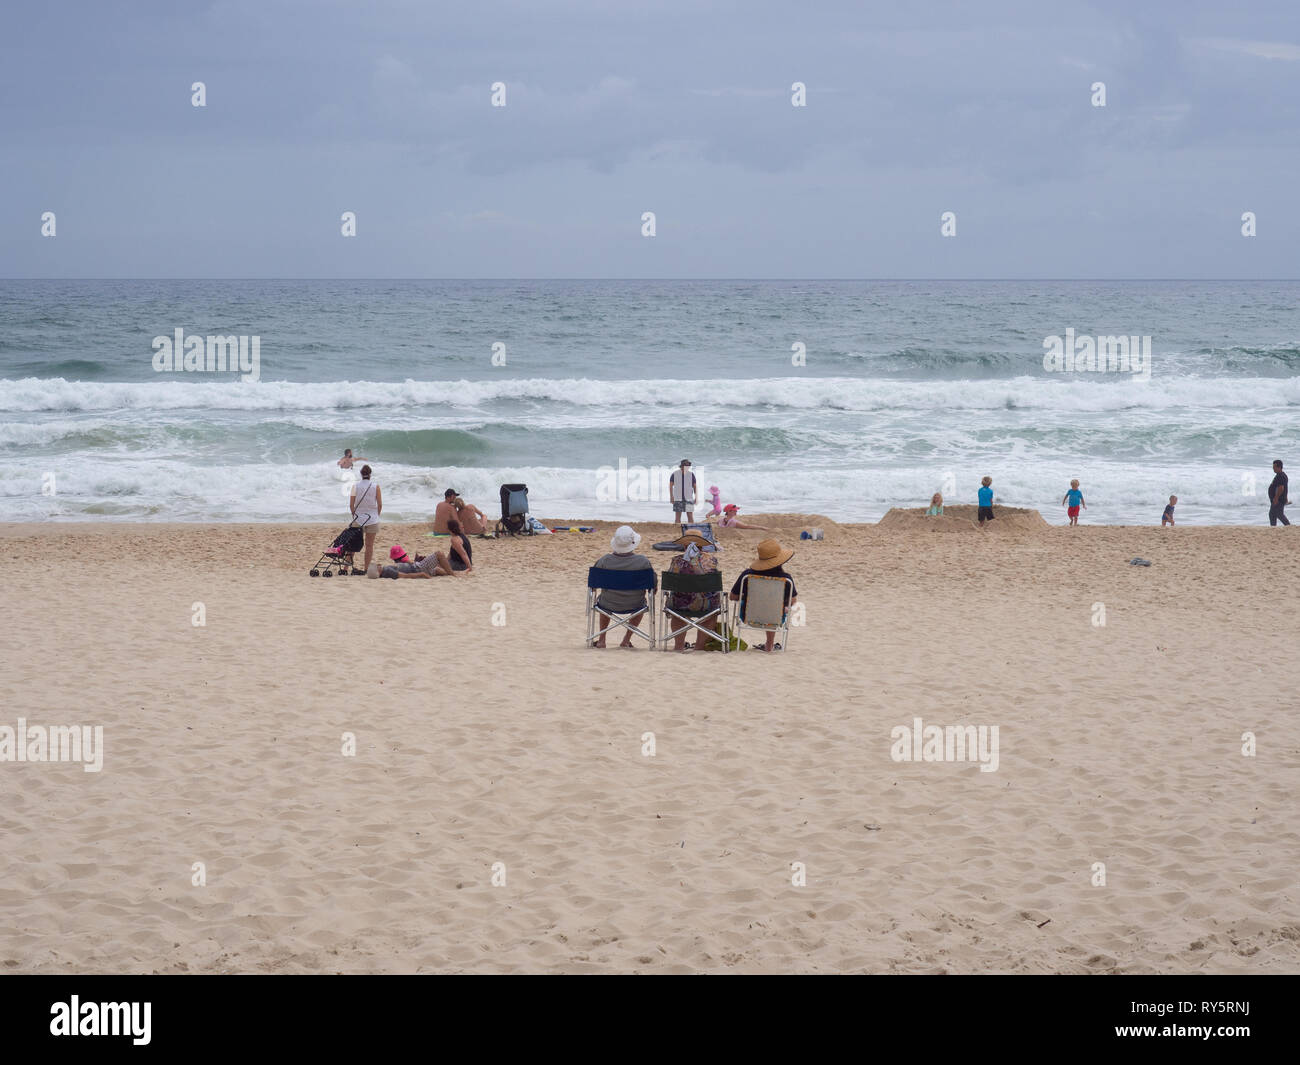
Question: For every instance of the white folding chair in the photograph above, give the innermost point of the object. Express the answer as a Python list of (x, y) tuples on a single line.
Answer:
[(620, 580), (765, 604)]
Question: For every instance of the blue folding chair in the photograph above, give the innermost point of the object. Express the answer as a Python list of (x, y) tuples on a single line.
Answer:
[(620, 580)]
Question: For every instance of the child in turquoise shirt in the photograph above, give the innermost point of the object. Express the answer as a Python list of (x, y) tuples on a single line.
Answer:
[(985, 512)]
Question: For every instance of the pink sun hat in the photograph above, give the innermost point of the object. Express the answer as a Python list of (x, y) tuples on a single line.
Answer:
[(397, 553)]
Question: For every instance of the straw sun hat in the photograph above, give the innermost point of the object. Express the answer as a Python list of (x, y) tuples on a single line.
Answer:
[(770, 555)]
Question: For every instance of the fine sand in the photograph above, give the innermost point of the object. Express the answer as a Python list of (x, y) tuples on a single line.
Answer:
[(480, 743)]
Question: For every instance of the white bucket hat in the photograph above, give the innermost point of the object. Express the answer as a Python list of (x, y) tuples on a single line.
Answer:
[(625, 539)]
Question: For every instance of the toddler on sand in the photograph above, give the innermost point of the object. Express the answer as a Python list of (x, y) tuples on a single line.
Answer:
[(1168, 517), (985, 512), (1073, 500)]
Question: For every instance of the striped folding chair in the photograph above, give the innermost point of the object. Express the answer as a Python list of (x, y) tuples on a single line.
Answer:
[(620, 580), (765, 604)]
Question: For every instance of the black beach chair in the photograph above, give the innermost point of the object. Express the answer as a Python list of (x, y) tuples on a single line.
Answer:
[(693, 583), (514, 511)]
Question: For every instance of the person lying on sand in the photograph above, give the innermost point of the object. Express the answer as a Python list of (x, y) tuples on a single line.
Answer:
[(730, 521), (439, 564), (404, 566)]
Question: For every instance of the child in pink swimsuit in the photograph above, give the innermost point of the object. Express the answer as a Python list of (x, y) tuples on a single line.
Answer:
[(730, 521)]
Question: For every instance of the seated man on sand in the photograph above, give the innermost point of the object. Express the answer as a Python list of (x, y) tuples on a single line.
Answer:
[(444, 511), (623, 557)]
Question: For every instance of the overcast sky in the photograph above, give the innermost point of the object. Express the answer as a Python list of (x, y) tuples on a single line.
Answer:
[(680, 107)]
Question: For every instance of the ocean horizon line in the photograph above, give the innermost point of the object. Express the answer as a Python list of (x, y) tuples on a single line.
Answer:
[(686, 280)]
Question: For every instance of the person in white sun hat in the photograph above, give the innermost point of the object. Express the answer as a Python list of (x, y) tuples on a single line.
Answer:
[(622, 556)]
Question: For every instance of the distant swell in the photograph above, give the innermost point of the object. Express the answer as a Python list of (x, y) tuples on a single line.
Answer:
[(1084, 392)]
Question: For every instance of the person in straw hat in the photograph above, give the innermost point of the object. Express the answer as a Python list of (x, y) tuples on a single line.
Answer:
[(623, 556), (695, 561), (771, 561)]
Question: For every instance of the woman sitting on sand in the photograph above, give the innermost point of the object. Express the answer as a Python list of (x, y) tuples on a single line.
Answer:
[(470, 517), (459, 557)]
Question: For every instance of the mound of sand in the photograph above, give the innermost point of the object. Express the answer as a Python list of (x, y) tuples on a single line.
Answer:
[(961, 518), (780, 522)]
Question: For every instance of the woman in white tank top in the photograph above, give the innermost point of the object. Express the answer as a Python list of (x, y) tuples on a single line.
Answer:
[(367, 504)]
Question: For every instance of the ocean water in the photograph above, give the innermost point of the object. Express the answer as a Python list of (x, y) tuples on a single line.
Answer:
[(908, 388)]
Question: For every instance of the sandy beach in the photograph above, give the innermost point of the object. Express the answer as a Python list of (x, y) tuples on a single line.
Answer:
[(481, 743)]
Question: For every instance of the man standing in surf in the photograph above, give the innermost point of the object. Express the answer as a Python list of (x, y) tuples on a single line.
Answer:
[(1277, 495), (681, 489)]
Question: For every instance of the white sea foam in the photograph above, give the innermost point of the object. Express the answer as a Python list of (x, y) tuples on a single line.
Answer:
[(1043, 392), (168, 489)]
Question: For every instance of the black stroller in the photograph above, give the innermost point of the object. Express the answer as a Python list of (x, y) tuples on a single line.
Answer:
[(338, 556), (514, 511)]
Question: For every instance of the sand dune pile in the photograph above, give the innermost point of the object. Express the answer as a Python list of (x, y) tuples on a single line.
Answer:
[(960, 519), (791, 521)]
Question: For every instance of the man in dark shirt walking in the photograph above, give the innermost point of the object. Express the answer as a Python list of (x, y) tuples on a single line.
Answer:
[(1277, 495)]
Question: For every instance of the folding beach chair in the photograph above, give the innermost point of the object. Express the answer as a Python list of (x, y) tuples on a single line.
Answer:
[(764, 604), (692, 583), (514, 511), (620, 580)]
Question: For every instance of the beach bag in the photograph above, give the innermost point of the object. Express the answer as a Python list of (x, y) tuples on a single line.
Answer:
[(712, 643)]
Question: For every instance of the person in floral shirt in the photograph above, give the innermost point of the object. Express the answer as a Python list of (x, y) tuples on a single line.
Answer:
[(692, 561)]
